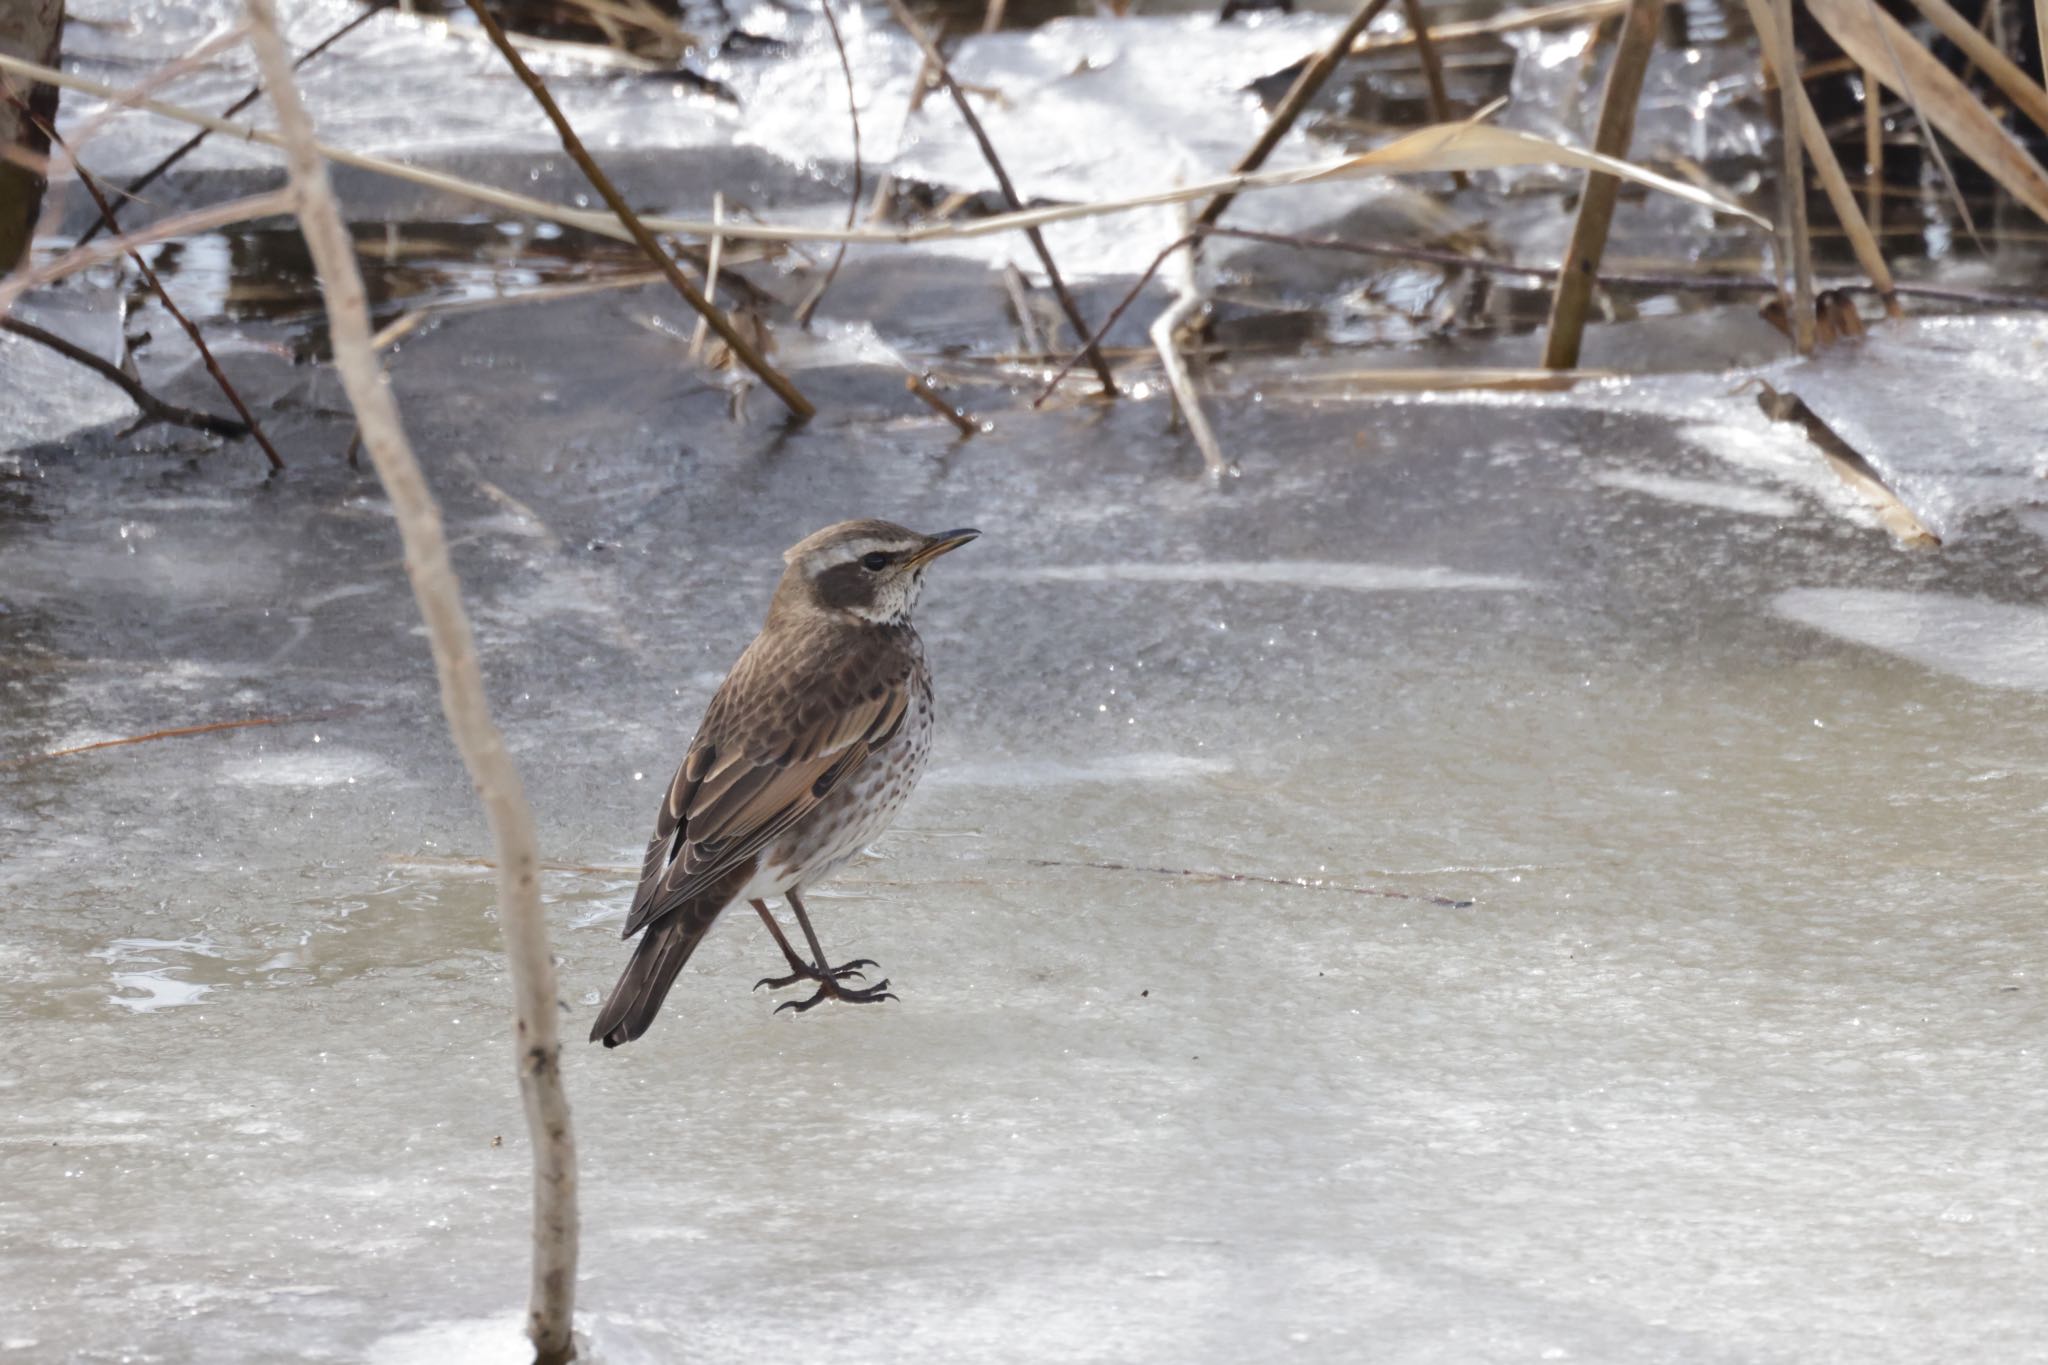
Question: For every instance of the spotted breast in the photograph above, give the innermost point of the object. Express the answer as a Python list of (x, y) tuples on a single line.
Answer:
[(860, 808)]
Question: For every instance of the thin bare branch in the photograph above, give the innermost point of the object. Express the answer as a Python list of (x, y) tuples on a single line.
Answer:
[(153, 408), (220, 379), (799, 406), (811, 301), (255, 92), (536, 1005), (1304, 89), (995, 164)]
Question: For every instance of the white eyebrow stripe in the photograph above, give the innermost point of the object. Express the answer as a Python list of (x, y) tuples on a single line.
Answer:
[(850, 551)]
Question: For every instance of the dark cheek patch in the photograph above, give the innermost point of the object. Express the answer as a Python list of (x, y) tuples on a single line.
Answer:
[(845, 586)]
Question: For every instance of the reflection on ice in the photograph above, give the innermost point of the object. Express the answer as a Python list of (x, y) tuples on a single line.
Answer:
[(159, 988), (1992, 644), (1726, 497)]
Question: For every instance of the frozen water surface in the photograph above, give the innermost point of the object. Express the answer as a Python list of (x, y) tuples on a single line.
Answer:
[(1736, 1053), (1511, 877)]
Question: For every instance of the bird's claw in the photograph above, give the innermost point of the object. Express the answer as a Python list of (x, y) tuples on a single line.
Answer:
[(829, 990), (839, 973)]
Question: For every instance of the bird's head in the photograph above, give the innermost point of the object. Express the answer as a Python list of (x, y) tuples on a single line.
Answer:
[(869, 570)]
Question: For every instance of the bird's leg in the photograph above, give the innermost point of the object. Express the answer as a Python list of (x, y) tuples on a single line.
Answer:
[(799, 970), (828, 977)]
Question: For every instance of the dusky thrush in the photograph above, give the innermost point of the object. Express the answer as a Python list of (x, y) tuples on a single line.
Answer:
[(804, 756)]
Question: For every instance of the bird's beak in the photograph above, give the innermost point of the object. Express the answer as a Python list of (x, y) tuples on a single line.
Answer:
[(942, 543)]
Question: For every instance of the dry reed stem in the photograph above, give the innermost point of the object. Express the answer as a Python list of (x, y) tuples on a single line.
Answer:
[(1432, 71), (1850, 465), (927, 392), (1548, 16), (1795, 247), (1303, 90), (809, 306), (1841, 198), (1568, 306), (1015, 285), (1441, 155), (2041, 36), (1873, 149), (995, 164), (2005, 73), (799, 406), (220, 379), (711, 265), (1885, 48), (185, 148), (535, 998), (1165, 334), (152, 408)]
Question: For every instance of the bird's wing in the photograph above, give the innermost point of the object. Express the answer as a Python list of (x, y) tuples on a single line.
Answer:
[(774, 743)]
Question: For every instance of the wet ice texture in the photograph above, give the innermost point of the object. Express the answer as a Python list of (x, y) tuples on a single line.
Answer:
[(1734, 1057)]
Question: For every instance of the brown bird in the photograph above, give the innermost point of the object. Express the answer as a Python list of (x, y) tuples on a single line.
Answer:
[(805, 754)]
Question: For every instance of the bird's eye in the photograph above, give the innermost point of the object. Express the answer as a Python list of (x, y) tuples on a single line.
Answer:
[(875, 562)]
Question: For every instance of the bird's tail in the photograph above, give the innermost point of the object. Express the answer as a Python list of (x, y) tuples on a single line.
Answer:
[(662, 951)]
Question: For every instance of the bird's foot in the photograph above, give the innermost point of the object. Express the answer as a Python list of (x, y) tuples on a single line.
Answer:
[(832, 990), (806, 972)]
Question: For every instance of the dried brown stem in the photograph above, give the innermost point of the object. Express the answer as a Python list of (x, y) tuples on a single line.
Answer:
[(1836, 185), (185, 148), (928, 392), (92, 187), (1304, 89), (799, 406), (1850, 465), (1432, 71), (2022, 90), (1509, 21), (811, 301), (995, 164), (536, 1006), (1574, 294), (1795, 247), (153, 408)]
